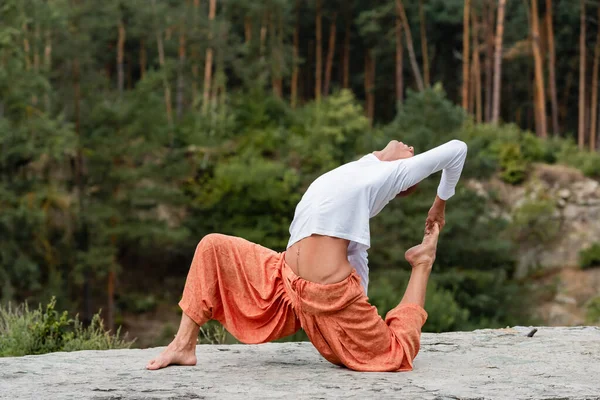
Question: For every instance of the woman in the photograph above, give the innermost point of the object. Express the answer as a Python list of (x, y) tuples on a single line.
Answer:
[(320, 282)]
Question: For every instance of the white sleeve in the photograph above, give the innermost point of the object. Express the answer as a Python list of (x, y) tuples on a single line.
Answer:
[(449, 157)]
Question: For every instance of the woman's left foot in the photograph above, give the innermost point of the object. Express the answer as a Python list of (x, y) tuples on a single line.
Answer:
[(423, 255), (174, 355)]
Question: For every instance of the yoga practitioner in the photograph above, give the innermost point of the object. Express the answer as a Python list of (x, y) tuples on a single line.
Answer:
[(320, 282)]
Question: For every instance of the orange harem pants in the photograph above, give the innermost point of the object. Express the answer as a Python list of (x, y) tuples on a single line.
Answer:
[(258, 298)]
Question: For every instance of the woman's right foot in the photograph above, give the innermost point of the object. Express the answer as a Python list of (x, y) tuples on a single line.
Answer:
[(423, 255), (174, 354)]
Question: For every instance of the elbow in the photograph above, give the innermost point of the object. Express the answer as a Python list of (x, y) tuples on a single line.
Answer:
[(460, 146)]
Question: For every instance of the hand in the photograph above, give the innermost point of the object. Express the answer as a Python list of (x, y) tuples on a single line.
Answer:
[(436, 215)]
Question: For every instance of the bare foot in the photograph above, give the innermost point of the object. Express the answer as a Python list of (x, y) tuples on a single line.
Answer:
[(423, 255), (174, 354)]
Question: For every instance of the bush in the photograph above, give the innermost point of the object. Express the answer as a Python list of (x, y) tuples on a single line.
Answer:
[(504, 147), (593, 311), (514, 165), (566, 151), (534, 222), (444, 313), (590, 257), (40, 331)]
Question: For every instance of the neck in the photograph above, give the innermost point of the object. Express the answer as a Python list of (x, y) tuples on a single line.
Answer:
[(383, 156)]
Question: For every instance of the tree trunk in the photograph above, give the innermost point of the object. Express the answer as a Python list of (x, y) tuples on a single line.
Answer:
[(120, 51), (330, 54), (36, 57), (564, 107), (143, 59), (180, 69), (498, 62), (48, 67), (594, 104), (471, 107), (295, 70), (424, 44), (318, 51), (540, 104), (167, 86), (369, 85), (263, 36), (465, 55), (409, 44), (78, 166), (247, 30), (194, 55), (552, 67), (346, 61), (476, 70), (26, 48), (209, 58), (309, 83), (489, 51), (399, 63), (582, 50), (280, 54), (277, 49)]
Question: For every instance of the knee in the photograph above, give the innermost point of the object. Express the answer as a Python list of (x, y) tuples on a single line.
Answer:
[(210, 242)]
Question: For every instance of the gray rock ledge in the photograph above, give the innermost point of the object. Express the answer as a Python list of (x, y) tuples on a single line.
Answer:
[(557, 363)]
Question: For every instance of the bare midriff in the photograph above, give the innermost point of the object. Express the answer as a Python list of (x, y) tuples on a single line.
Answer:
[(320, 259)]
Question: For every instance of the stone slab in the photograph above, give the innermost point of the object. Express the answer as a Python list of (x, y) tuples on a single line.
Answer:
[(556, 363)]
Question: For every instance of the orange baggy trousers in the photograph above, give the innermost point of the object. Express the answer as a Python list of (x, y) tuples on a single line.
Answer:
[(258, 298)]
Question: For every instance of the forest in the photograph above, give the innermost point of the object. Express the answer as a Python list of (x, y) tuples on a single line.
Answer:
[(129, 129)]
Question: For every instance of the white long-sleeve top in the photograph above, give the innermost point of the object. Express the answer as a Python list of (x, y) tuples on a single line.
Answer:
[(341, 202)]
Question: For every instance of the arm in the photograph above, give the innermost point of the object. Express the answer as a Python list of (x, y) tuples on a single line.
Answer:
[(449, 157)]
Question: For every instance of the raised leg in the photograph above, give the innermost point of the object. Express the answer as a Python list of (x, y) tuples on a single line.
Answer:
[(421, 258)]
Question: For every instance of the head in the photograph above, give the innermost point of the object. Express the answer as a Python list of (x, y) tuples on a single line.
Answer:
[(395, 150)]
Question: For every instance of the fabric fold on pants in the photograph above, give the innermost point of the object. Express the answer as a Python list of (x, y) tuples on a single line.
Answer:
[(258, 298)]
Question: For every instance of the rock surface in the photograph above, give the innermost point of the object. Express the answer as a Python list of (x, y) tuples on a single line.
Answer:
[(485, 364)]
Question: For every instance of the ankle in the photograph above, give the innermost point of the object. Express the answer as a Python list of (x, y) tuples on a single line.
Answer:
[(180, 343), (424, 267)]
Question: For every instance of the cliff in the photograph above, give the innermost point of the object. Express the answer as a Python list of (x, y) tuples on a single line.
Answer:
[(485, 364)]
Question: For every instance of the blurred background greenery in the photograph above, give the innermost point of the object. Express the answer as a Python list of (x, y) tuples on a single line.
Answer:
[(130, 129)]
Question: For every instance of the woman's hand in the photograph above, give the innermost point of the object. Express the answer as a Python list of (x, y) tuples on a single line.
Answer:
[(436, 215)]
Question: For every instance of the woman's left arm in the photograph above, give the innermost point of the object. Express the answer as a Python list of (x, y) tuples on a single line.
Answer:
[(449, 157)]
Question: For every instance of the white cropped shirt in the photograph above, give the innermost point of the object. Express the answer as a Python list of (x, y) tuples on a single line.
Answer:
[(340, 202)]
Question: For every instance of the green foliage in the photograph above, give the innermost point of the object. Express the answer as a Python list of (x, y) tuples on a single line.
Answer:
[(426, 120), (590, 257), (444, 313), (568, 153), (593, 311), (504, 147), (213, 333), (511, 150), (535, 223), (513, 163), (138, 303), (24, 331)]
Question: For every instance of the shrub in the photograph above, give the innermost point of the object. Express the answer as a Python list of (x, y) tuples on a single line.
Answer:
[(514, 165), (213, 333), (504, 147), (534, 222), (23, 332), (590, 257), (593, 311), (444, 313)]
